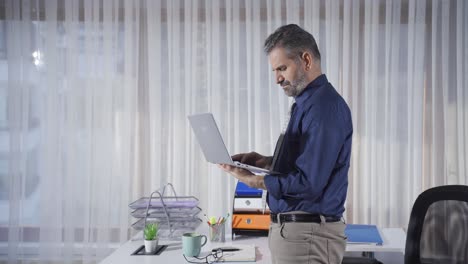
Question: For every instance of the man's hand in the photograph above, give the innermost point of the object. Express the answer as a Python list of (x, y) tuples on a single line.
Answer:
[(255, 159), (244, 176)]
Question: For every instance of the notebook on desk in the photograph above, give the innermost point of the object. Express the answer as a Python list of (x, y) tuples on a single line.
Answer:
[(246, 253), (363, 234)]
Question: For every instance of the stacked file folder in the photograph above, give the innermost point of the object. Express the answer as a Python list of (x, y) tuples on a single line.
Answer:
[(249, 216)]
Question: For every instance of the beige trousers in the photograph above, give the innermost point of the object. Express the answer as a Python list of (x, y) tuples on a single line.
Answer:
[(307, 242)]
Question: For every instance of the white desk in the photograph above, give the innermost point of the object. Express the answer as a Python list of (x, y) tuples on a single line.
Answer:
[(394, 241)]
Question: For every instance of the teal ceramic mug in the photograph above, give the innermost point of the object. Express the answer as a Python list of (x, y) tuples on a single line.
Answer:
[(192, 244)]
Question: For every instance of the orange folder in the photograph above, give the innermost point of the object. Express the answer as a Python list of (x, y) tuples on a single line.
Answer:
[(251, 221)]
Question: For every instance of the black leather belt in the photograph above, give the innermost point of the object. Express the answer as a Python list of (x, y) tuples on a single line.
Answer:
[(302, 218)]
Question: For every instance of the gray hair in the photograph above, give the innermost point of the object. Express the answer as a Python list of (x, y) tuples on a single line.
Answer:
[(294, 40)]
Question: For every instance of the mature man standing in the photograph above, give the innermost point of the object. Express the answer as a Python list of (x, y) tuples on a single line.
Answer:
[(307, 198)]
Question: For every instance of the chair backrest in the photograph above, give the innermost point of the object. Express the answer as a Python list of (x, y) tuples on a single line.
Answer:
[(438, 227)]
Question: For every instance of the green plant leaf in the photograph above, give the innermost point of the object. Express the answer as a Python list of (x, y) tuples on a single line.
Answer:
[(151, 231)]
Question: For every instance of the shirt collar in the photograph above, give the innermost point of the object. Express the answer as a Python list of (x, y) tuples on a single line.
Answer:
[(310, 89)]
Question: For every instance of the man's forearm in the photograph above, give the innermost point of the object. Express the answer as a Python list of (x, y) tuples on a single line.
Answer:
[(257, 182)]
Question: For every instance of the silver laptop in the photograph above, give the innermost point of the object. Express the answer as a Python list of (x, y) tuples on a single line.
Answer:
[(212, 144)]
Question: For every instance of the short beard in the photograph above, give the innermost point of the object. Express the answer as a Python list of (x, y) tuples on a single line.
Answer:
[(297, 86)]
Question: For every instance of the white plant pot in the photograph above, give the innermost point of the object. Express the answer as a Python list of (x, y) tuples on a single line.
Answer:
[(151, 245)]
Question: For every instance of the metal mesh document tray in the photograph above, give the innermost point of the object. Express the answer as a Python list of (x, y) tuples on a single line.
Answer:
[(173, 213), (187, 224), (167, 201)]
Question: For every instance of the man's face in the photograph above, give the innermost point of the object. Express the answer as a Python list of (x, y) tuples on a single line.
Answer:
[(289, 73)]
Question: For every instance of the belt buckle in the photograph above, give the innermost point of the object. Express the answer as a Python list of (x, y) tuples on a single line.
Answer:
[(278, 218), (323, 219)]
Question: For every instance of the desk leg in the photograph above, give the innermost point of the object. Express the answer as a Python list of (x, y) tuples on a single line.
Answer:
[(368, 254)]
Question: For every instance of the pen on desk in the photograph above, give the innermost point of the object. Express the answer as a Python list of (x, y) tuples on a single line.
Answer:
[(226, 249)]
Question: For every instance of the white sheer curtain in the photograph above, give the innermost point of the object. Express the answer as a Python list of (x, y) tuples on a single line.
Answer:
[(70, 131), (95, 94)]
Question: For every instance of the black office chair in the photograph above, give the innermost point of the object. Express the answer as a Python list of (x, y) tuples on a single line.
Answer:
[(438, 227)]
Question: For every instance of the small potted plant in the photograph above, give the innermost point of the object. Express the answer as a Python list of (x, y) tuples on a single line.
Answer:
[(151, 237)]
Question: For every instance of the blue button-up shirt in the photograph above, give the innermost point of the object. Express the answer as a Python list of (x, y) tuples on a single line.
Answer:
[(315, 154)]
